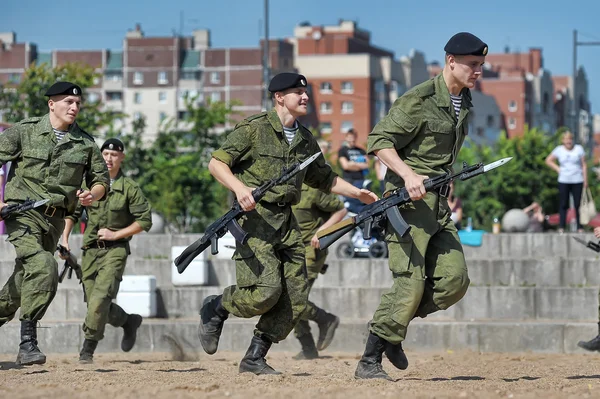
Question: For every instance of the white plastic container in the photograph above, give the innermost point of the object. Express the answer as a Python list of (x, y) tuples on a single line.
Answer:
[(137, 294), (197, 271)]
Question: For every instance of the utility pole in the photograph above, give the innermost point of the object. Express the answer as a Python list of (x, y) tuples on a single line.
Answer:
[(266, 69), (575, 102)]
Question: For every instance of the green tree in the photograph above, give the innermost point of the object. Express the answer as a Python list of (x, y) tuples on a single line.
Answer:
[(173, 172), (525, 179), (28, 100)]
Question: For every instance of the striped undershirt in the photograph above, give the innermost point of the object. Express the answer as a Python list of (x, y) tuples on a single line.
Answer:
[(290, 132), (456, 101), (59, 134)]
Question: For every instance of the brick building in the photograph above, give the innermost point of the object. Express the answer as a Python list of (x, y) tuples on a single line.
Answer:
[(353, 83)]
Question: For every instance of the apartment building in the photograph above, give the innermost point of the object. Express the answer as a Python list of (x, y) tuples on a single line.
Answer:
[(150, 77), (353, 83)]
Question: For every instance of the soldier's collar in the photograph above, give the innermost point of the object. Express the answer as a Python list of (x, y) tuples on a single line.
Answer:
[(118, 184), (273, 119), (442, 94)]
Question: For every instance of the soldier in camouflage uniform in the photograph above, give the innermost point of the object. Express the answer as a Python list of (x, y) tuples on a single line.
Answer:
[(270, 267), (419, 138), (51, 158), (316, 211), (109, 229)]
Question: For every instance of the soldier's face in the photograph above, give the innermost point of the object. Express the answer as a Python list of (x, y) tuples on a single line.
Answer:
[(65, 108), (466, 69), (296, 101), (113, 159)]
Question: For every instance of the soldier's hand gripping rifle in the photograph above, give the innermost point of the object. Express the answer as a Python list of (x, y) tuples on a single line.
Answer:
[(376, 212), (22, 207), (228, 222), (591, 245)]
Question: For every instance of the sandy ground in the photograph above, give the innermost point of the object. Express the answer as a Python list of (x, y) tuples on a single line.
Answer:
[(439, 375)]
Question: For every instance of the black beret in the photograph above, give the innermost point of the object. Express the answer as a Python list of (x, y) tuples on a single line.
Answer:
[(113, 144), (67, 88), (465, 43), (286, 80)]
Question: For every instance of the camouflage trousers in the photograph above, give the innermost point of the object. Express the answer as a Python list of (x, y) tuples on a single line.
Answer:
[(102, 271), (270, 277), (33, 283), (315, 259), (428, 268)]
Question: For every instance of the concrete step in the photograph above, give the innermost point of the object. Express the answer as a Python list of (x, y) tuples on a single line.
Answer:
[(494, 246), (478, 336), (480, 303), (549, 272)]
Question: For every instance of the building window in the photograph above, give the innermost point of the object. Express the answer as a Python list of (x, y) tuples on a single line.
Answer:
[(480, 132), (190, 75), (347, 107), (347, 125), (512, 106), (326, 108), (113, 76), (490, 121), (162, 116), (162, 78), (183, 115), (138, 78), (325, 127), (14, 78), (137, 98), (215, 78), (162, 97), (215, 96), (114, 96), (137, 116), (512, 123), (326, 87), (93, 97), (347, 87)]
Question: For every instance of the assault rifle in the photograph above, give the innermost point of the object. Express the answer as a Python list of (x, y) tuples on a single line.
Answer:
[(376, 212), (591, 245), (8, 210), (228, 222), (70, 266)]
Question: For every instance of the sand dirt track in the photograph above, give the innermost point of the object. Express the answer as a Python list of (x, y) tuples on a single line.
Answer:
[(439, 375)]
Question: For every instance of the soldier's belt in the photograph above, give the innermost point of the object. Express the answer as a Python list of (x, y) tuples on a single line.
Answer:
[(52, 212), (101, 244)]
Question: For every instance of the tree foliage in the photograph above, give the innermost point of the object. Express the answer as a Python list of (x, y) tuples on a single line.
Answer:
[(525, 179), (173, 170), (28, 100)]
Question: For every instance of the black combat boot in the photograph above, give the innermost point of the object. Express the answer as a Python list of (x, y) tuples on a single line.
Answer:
[(86, 356), (593, 345), (29, 353), (212, 318), (309, 350), (327, 323), (134, 321), (396, 355), (254, 360), (369, 366)]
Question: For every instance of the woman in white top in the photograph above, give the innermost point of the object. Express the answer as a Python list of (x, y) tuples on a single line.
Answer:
[(572, 175)]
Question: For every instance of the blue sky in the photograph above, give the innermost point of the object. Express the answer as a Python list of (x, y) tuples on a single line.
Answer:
[(394, 24)]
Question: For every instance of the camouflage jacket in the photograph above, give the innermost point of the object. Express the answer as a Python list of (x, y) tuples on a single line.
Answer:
[(125, 203), (423, 128), (42, 168), (314, 208)]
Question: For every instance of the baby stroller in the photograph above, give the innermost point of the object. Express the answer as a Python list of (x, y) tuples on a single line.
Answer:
[(358, 246)]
